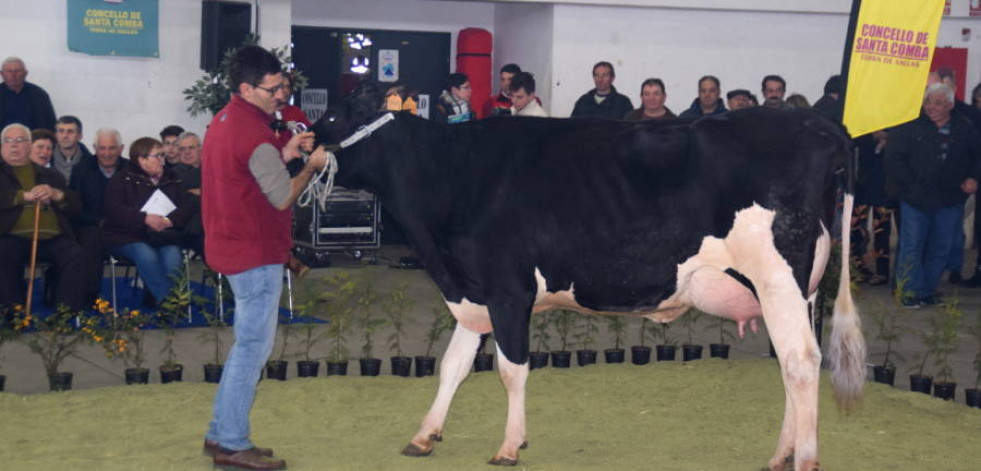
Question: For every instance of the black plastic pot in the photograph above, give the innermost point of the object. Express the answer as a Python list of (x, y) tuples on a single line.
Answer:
[(277, 369), (60, 381), (338, 368), (171, 374), (718, 350), (370, 366), (401, 366), (920, 383), (945, 391), (666, 352), (307, 368), (972, 397), (483, 362), (425, 366), (212, 373), (137, 375), (537, 360), (884, 375), (640, 355), (3, 380), (614, 355), (561, 359), (691, 352), (586, 357)]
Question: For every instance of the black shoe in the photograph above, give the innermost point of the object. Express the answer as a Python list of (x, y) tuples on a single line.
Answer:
[(955, 278), (932, 301)]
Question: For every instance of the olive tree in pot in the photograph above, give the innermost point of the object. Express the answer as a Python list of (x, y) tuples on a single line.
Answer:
[(441, 322), (641, 354), (539, 335), (617, 328), (943, 343), (667, 349), (690, 351), (213, 335), (889, 333), (341, 299), (564, 322), (973, 395), (718, 325), (396, 305), (277, 369), (585, 336), (369, 324)]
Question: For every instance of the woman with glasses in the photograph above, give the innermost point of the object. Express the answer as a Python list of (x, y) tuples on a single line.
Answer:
[(145, 210)]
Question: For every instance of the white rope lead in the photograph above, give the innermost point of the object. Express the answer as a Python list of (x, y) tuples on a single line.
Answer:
[(317, 190)]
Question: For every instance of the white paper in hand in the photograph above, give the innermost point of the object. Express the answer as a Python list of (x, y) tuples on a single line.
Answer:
[(158, 204)]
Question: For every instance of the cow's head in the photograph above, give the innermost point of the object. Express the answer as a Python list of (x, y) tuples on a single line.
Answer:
[(362, 106)]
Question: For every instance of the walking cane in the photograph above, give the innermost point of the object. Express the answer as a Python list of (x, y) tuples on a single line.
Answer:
[(30, 283)]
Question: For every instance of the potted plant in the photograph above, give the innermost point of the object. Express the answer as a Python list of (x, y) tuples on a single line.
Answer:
[(123, 335), (585, 336), (668, 347), (278, 368), (889, 333), (172, 308), (918, 381), (973, 395), (719, 324), (564, 322), (212, 335), (641, 354), (539, 334), (369, 324), (690, 351), (617, 328), (484, 361), (396, 305), (54, 339), (944, 343), (441, 322), (310, 336), (341, 302)]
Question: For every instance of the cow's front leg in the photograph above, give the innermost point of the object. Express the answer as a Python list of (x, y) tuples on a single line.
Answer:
[(514, 378), (454, 368)]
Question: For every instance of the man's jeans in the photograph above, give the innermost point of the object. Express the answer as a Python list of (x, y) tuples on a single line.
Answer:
[(926, 240), (256, 314), (154, 264)]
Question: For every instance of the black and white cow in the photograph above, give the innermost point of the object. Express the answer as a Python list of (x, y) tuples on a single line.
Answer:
[(513, 216)]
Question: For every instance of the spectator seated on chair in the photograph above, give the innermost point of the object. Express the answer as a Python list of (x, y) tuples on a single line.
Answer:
[(133, 230), (23, 185)]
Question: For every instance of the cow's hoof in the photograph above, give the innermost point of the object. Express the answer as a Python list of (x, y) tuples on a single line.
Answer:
[(416, 451), (524, 445), (498, 461)]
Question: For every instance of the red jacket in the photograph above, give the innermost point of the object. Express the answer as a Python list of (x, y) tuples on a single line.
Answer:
[(295, 114), (243, 230)]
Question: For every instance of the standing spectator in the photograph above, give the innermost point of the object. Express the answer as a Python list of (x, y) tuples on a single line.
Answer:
[(797, 101), (652, 98), (501, 104), (149, 239), (829, 104), (708, 101), (523, 99), (871, 199), (42, 146), (168, 136), (774, 88), (90, 180), (453, 104), (603, 101), (70, 151), (740, 98), (287, 115), (23, 185), (22, 101), (934, 163)]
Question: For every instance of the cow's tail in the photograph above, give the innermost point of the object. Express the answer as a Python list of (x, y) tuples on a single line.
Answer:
[(847, 348)]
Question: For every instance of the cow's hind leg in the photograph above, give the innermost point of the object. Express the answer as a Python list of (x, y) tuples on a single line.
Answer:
[(454, 368), (514, 378)]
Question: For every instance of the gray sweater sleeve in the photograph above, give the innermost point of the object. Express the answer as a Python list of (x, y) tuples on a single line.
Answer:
[(270, 172)]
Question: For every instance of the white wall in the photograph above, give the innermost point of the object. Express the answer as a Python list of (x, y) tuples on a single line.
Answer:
[(523, 35), (139, 96)]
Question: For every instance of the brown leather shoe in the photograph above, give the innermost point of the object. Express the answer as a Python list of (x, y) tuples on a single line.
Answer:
[(245, 459), (210, 447)]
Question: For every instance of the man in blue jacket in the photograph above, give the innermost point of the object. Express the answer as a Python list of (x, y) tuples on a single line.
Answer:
[(603, 101), (708, 101), (21, 101)]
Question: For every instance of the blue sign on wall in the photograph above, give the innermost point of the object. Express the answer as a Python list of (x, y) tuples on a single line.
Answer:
[(114, 27)]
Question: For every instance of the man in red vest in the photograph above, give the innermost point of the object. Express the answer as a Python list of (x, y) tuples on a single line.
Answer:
[(245, 207)]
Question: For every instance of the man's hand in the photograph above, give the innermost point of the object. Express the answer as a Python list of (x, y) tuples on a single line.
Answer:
[(43, 194), (302, 141), (970, 186), (318, 159), (157, 223)]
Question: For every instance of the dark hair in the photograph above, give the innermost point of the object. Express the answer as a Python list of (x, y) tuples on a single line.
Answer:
[(739, 92), (456, 81), (773, 78), (172, 130), (833, 85), (976, 93), (142, 147), (69, 119), (613, 72), (523, 80), (652, 81), (510, 69), (251, 64), (712, 78), (798, 101), (39, 134)]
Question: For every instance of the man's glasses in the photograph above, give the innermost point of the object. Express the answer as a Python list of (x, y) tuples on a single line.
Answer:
[(186, 149), (155, 156), (273, 90), (15, 140)]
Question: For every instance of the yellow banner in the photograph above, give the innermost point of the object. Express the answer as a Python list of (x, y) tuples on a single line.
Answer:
[(890, 59)]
